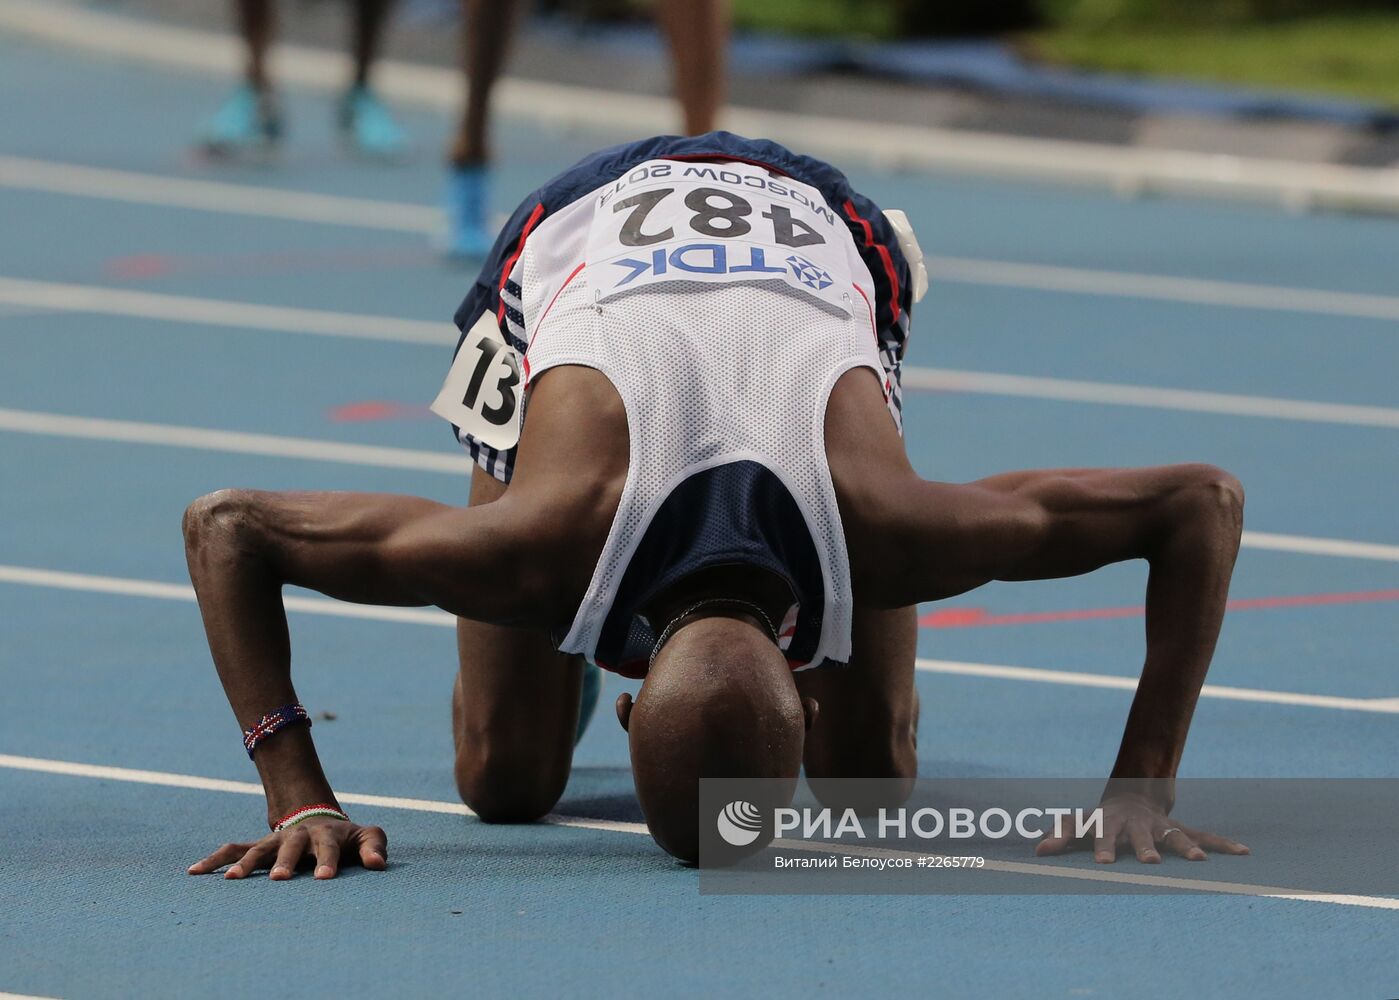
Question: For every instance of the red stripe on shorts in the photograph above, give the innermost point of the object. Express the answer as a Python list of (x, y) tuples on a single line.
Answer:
[(884, 255), (530, 223)]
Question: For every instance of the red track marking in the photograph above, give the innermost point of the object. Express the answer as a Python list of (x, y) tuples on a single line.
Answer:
[(978, 617), (375, 409), (953, 618), (139, 265)]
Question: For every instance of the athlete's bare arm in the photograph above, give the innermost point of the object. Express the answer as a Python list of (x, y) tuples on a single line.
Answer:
[(522, 560), (912, 540), (242, 547)]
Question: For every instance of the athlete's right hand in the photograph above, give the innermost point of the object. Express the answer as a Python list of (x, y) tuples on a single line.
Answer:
[(329, 842)]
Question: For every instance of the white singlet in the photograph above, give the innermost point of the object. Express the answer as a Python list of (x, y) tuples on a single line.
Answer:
[(722, 302)]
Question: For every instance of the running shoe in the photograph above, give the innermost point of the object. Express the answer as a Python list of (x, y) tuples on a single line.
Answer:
[(249, 120), (369, 126), (468, 236)]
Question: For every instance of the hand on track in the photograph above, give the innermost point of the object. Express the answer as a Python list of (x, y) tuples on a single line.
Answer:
[(329, 842), (1136, 822)]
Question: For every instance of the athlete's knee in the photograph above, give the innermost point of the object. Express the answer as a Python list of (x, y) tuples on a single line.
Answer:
[(512, 756), (869, 762), (886, 789), (890, 753), (894, 759), (503, 784)]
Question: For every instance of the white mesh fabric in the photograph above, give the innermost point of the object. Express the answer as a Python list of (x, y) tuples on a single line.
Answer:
[(708, 373)]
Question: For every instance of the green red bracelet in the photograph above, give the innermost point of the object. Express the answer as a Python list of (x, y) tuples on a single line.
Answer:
[(306, 812)]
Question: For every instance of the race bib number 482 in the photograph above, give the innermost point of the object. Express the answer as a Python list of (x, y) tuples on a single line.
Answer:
[(716, 222)]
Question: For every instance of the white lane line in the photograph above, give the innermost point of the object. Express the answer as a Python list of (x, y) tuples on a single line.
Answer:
[(1383, 706), (1166, 288), (168, 779), (1125, 169), (126, 587), (197, 783), (88, 583), (22, 996), (20, 312), (104, 301), (300, 206), (215, 196), (100, 300), (610, 825), (1320, 546), (275, 446), (1117, 877), (1113, 394), (237, 442)]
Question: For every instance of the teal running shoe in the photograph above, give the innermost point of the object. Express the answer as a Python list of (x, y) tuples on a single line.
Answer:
[(248, 121), (587, 706), (468, 236), (370, 127)]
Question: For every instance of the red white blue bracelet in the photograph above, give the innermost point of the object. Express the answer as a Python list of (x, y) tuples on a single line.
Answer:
[(274, 722), (306, 812)]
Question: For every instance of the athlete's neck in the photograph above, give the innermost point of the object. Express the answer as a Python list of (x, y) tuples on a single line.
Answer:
[(742, 584)]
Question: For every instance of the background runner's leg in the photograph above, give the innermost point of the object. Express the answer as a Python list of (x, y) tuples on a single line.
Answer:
[(249, 118), (514, 711), (698, 32), (367, 29), (488, 27), (256, 21)]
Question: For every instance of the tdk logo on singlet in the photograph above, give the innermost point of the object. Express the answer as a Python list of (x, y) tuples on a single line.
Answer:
[(708, 258), (808, 273)]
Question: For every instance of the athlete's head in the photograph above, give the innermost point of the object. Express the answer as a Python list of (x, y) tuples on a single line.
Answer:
[(718, 702)]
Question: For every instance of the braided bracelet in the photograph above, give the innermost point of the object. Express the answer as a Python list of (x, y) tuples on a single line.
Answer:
[(307, 812), (274, 722)]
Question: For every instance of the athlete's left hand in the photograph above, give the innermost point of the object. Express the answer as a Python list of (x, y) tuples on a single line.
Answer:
[(1137, 822), (331, 843)]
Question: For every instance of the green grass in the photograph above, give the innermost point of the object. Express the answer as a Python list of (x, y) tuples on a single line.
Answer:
[(1354, 55), (873, 19), (1346, 54)]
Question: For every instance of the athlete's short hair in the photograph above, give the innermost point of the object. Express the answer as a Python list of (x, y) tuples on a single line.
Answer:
[(718, 702)]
